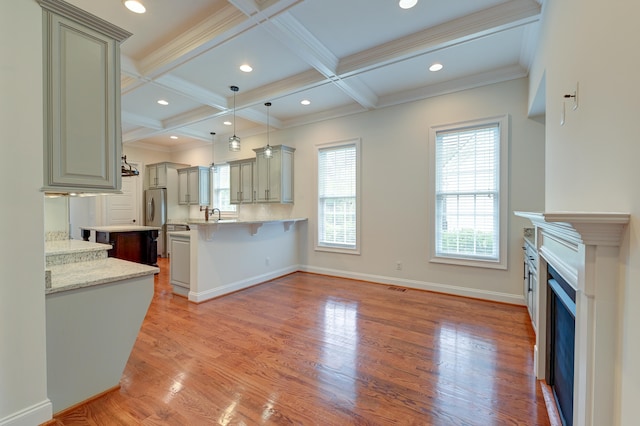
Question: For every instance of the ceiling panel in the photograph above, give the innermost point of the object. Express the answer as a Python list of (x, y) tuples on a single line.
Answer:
[(218, 69), (344, 56)]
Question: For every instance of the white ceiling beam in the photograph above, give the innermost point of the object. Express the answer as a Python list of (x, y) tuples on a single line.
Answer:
[(140, 121), (489, 21), (192, 91)]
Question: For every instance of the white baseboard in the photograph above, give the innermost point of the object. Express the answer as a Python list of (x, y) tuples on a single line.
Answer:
[(34, 415), (512, 299), (494, 296), (240, 285)]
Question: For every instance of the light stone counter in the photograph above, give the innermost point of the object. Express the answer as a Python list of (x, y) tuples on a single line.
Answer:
[(121, 228), (209, 227), (76, 275), (61, 252)]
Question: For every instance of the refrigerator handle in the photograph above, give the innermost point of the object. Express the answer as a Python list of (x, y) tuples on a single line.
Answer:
[(150, 210)]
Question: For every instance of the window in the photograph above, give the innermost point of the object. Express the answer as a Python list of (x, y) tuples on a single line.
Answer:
[(469, 184), (338, 197), (221, 189)]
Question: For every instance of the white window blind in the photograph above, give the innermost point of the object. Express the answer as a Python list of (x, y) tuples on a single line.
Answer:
[(467, 191), (337, 197), (221, 189)]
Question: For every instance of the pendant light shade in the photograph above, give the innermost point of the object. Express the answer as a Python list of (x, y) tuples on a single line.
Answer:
[(268, 152), (234, 141)]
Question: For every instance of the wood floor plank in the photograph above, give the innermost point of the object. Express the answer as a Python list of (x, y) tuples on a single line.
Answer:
[(308, 349)]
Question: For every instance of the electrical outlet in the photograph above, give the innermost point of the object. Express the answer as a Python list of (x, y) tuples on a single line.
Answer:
[(267, 261), (398, 266)]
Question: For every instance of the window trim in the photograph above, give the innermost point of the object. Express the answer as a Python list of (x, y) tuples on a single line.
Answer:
[(503, 188), (228, 214), (317, 246)]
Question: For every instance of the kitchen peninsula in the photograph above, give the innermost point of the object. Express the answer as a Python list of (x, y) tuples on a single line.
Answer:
[(225, 256)]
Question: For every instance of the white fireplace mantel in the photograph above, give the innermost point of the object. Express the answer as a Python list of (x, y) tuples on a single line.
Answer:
[(584, 249)]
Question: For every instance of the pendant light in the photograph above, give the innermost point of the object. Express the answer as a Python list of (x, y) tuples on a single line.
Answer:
[(234, 141), (268, 152), (213, 150)]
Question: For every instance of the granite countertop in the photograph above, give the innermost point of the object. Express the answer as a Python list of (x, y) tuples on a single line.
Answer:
[(121, 228), (76, 275), (177, 221), (242, 221), (58, 247)]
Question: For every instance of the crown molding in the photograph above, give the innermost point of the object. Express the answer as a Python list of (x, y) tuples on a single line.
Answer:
[(78, 15)]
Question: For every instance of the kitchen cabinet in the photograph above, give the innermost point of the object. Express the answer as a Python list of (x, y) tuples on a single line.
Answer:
[(82, 131), (274, 181), (194, 185), (179, 262), (158, 175), (241, 181), (530, 280)]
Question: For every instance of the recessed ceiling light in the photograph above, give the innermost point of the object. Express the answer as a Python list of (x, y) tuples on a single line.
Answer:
[(436, 67), (305, 102), (227, 123), (246, 68), (134, 6), (173, 137), (163, 102), (407, 4)]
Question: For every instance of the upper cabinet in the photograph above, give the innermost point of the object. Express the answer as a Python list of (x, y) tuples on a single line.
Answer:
[(241, 181), (274, 182), (158, 175), (194, 186), (82, 131)]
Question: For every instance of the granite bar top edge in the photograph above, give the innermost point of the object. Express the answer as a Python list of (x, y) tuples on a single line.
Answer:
[(93, 273)]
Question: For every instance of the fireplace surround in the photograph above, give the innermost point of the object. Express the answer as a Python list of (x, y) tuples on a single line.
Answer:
[(583, 250)]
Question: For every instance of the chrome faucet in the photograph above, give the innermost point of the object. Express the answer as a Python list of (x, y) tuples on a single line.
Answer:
[(214, 209)]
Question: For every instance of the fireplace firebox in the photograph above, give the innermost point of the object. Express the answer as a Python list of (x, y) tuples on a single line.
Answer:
[(561, 331)]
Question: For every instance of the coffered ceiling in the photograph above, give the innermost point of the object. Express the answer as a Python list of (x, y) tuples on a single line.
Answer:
[(344, 56)]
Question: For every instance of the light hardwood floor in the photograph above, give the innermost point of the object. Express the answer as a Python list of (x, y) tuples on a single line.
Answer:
[(314, 350)]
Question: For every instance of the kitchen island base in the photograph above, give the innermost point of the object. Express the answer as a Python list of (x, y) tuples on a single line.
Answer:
[(228, 256), (90, 334)]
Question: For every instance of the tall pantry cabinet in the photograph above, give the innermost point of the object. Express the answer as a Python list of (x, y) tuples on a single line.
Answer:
[(82, 140)]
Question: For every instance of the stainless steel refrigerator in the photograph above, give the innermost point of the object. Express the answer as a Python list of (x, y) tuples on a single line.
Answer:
[(155, 214)]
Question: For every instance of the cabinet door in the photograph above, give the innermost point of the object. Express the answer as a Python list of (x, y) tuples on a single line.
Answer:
[(150, 177), (275, 174), (161, 176), (82, 115), (193, 180), (183, 187), (235, 183), (246, 186), (262, 183), (179, 271)]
